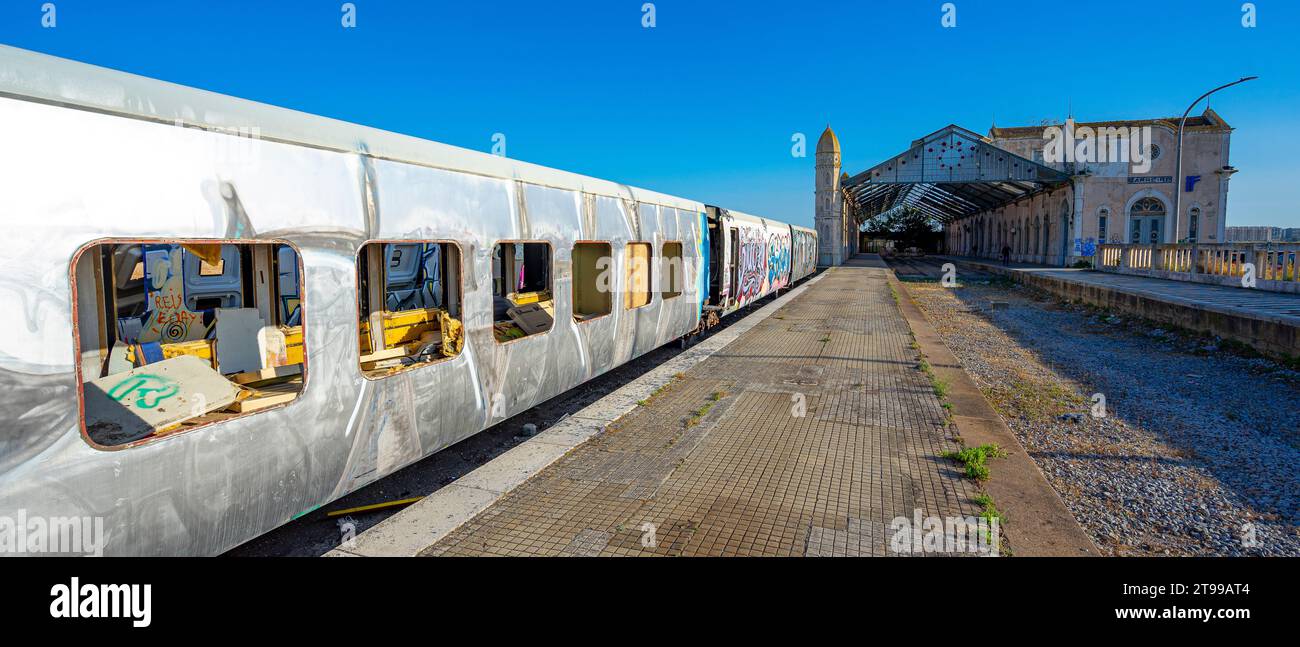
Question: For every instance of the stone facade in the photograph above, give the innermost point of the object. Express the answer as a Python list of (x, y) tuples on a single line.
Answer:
[(1108, 201)]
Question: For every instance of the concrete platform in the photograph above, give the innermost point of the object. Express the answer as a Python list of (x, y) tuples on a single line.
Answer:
[(1266, 321), (446, 509), (807, 434)]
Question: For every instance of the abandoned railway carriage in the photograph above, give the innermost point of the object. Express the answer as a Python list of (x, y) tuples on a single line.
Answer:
[(207, 333)]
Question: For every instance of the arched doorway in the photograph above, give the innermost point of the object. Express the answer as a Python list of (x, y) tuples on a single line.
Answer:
[(1146, 221)]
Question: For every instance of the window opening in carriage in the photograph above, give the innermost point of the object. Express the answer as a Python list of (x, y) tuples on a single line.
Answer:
[(410, 295), (592, 280), (522, 301), (174, 335), (671, 272), (637, 287)]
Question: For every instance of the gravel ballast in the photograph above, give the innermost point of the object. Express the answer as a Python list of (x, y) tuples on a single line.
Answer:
[(1198, 448)]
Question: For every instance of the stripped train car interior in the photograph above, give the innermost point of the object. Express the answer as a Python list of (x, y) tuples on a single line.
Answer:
[(210, 334)]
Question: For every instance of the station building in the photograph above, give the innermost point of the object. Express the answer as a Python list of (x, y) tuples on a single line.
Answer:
[(1010, 188)]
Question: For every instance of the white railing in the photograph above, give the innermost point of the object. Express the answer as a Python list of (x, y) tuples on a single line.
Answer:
[(1275, 266)]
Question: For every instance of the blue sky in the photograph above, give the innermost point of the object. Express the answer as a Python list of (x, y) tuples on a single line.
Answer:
[(704, 104)]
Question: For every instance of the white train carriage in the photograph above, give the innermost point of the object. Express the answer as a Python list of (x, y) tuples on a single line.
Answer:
[(222, 315)]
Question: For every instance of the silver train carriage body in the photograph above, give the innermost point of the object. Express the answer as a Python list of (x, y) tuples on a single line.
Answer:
[(222, 315)]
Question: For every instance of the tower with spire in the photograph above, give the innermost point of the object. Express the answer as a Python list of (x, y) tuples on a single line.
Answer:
[(829, 209)]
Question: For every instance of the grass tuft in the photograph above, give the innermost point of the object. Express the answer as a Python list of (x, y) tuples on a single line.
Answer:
[(989, 512), (976, 459), (704, 410)]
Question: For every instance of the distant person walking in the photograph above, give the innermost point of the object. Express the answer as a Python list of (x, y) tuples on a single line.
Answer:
[(1006, 254)]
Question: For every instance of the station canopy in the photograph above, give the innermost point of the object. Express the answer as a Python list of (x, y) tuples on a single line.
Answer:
[(949, 174)]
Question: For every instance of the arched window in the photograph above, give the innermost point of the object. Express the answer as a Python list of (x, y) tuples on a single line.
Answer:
[(1148, 207), (1193, 224)]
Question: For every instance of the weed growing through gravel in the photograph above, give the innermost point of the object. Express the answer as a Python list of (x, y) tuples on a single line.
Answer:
[(976, 459)]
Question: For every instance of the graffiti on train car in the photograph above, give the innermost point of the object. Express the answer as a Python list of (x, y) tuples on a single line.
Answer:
[(171, 321), (753, 264), (805, 253), (778, 261), (148, 390), (167, 318)]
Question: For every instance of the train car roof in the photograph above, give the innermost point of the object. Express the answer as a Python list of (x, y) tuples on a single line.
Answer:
[(757, 220), (31, 76)]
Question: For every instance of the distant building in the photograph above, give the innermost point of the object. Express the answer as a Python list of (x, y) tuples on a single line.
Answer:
[(1257, 234), (1291, 234)]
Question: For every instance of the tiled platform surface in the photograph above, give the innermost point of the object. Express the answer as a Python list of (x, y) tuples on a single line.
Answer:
[(807, 435)]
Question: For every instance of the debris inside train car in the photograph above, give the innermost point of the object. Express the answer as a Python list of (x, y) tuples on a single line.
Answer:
[(133, 405), (178, 334), (411, 293), (521, 277)]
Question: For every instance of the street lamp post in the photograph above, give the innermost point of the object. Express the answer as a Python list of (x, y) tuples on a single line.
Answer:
[(1178, 163)]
